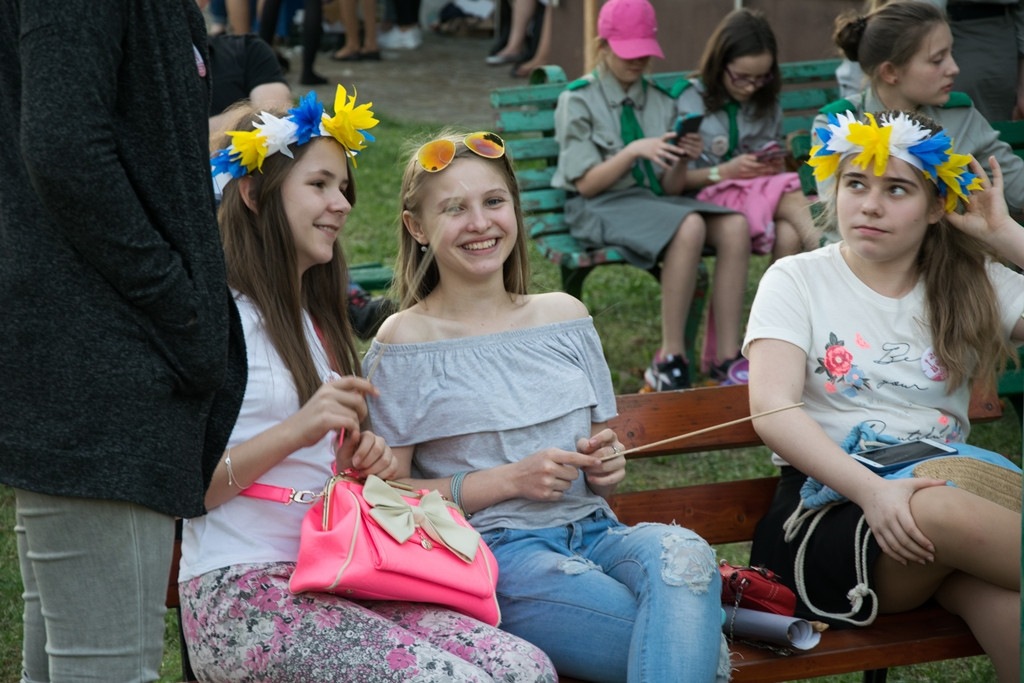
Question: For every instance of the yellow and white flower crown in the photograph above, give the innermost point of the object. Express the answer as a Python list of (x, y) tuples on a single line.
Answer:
[(304, 122), (894, 135)]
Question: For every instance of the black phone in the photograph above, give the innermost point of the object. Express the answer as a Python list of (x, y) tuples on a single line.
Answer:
[(687, 123), (898, 455)]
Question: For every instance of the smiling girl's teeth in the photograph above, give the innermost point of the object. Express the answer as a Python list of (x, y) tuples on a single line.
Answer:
[(475, 246)]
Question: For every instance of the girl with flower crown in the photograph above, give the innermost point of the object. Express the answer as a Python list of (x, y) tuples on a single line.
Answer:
[(906, 51), (508, 417), (881, 336), (287, 192)]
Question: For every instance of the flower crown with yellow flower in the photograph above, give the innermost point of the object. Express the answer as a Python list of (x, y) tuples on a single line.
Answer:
[(304, 122), (894, 135)]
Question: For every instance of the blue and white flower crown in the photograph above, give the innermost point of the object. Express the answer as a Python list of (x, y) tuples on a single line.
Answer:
[(304, 122), (894, 135)]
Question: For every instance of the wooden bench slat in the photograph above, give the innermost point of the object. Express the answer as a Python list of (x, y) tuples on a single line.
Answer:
[(371, 276), (647, 418), (543, 224), (535, 178), (924, 635), (811, 98), (526, 121), (547, 199), (525, 149), (721, 513), (564, 249)]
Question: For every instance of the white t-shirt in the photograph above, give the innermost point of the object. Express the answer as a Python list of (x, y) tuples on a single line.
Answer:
[(869, 357), (250, 530)]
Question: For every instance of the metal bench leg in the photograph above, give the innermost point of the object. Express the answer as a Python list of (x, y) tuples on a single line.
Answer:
[(572, 280), (876, 675)]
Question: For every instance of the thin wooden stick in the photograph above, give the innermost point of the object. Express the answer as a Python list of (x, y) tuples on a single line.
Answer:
[(637, 449)]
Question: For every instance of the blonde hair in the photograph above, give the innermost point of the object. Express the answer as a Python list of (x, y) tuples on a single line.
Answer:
[(261, 260), (417, 273)]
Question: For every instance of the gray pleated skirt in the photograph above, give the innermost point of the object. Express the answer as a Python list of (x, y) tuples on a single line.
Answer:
[(637, 222)]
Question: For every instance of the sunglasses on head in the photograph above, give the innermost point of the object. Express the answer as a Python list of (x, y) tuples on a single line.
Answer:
[(436, 155)]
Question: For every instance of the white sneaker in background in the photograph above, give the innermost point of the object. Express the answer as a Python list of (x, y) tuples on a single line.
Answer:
[(397, 39)]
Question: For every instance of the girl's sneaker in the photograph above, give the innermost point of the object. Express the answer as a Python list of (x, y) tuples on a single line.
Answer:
[(668, 373), (735, 371)]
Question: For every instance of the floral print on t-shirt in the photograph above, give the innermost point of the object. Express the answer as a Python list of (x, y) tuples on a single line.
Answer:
[(842, 375)]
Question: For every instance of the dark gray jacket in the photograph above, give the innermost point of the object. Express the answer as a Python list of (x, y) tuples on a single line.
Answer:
[(122, 362)]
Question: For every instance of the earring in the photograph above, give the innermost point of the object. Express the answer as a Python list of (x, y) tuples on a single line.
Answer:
[(423, 248)]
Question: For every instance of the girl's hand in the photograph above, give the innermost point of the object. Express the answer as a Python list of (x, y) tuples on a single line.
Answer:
[(745, 166), (661, 151), (692, 145), (370, 455), (547, 474), (986, 212), (605, 472), (888, 514), (339, 403)]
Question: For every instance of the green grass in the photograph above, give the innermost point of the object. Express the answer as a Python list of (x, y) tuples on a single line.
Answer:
[(625, 305)]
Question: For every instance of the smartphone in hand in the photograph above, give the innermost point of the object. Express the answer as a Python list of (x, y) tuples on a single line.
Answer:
[(687, 123), (769, 151)]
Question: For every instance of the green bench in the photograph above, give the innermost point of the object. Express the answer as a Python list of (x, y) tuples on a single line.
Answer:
[(372, 277)]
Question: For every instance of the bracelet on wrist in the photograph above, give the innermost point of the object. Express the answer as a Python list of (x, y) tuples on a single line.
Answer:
[(232, 479), (456, 489), (714, 174)]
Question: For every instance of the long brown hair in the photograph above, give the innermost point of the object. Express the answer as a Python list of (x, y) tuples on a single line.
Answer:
[(261, 264), (417, 272), (960, 303), (742, 33)]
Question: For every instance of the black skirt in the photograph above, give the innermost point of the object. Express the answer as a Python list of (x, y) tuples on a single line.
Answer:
[(830, 556)]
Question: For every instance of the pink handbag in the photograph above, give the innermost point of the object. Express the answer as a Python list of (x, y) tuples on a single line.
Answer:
[(378, 540)]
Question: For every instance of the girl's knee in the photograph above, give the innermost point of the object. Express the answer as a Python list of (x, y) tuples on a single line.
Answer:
[(682, 557), (693, 229)]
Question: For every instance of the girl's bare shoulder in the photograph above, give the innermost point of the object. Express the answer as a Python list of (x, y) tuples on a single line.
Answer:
[(553, 307)]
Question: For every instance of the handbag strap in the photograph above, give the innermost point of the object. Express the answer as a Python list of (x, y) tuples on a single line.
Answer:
[(281, 494)]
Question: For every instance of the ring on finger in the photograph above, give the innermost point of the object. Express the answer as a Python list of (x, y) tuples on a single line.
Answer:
[(615, 449)]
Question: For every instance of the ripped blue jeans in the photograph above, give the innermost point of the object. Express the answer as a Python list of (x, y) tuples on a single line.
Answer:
[(608, 602)]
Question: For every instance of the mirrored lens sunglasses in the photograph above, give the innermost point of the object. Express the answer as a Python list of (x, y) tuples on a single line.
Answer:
[(436, 155)]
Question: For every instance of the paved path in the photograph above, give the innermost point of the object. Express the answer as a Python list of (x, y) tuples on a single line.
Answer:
[(445, 81)]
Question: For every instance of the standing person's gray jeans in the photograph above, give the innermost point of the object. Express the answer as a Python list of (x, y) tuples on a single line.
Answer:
[(70, 551)]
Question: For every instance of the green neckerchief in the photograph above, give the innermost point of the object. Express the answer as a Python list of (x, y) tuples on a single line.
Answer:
[(731, 108), (631, 130)]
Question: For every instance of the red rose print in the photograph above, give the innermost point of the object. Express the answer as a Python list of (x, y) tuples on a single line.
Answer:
[(838, 360)]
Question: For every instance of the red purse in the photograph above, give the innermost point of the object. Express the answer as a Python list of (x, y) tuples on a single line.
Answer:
[(755, 588)]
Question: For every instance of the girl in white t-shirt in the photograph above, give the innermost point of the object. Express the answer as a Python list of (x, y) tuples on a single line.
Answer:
[(887, 329), (280, 219)]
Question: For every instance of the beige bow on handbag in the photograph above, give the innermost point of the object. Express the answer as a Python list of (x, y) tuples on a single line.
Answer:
[(401, 519)]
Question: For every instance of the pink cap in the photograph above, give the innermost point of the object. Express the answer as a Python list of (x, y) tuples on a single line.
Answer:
[(629, 27)]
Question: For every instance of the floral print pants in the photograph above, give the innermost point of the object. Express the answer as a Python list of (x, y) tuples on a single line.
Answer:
[(242, 624)]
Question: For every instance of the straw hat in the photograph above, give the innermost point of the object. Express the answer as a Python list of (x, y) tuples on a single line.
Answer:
[(998, 484)]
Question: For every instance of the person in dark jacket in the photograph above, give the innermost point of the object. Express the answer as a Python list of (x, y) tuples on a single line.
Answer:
[(122, 363)]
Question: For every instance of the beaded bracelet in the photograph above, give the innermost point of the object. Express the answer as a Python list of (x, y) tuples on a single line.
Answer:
[(456, 489)]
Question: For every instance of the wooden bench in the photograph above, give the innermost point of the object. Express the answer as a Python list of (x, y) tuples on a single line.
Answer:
[(727, 512), (371, 276)]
